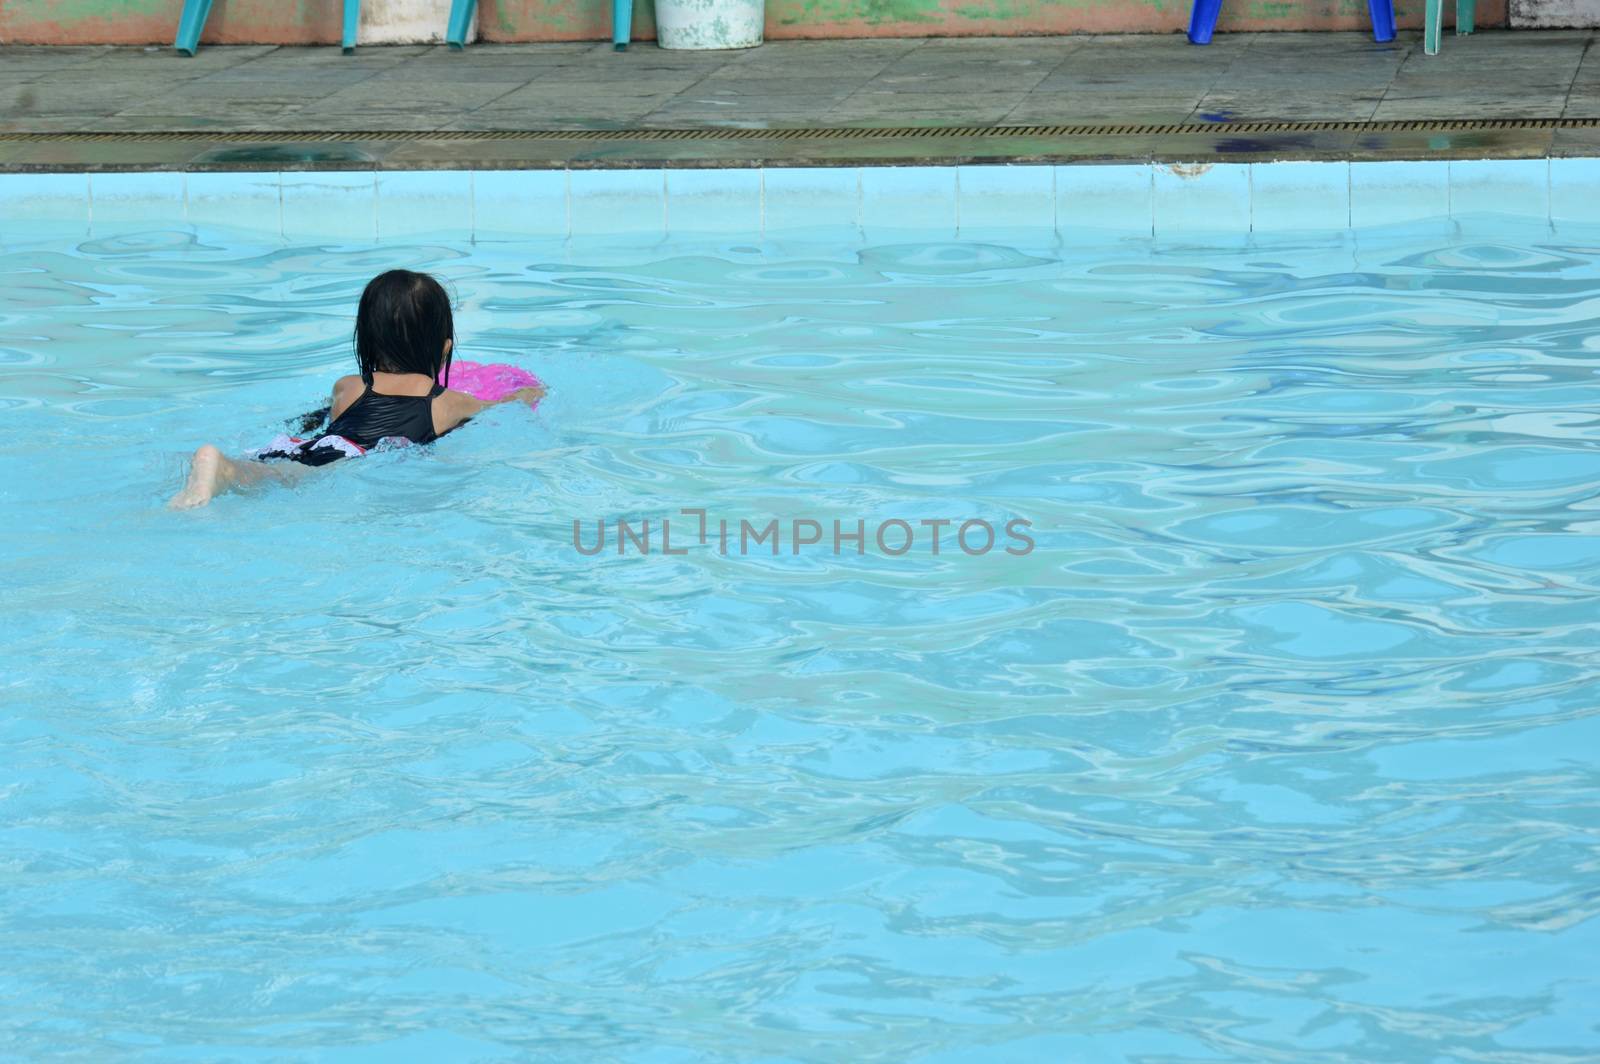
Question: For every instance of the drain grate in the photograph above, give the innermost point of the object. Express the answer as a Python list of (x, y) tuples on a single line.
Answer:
[(1198, 129)]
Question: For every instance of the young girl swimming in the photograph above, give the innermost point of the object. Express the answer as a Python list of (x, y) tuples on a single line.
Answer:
[(404, 338)]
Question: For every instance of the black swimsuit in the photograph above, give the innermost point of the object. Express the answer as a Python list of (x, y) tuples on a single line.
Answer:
[(372, 418)]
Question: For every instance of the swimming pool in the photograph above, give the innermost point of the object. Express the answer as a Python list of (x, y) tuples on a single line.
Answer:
[(1278, 744)]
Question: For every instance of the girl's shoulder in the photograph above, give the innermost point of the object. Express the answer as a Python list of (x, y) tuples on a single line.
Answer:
[(346, 390)]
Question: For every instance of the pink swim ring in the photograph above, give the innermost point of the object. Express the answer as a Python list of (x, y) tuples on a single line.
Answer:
[(488, 381)]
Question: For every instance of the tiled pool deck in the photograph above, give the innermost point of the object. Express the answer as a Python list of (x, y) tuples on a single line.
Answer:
[(428, 108)]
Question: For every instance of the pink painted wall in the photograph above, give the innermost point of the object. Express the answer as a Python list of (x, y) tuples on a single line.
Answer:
[(318, 21), (582, 20), (156, 21)]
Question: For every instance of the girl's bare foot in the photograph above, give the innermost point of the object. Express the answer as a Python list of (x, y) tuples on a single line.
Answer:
[(207, 475)]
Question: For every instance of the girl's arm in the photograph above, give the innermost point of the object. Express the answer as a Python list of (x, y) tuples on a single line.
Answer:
[(459, 406), (530, 395)]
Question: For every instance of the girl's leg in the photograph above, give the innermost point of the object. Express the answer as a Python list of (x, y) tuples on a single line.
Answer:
[(211, 473)]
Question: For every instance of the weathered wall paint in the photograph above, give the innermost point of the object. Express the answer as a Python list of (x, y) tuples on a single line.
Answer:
[(156, 21), (1551, 14), (319, 21), (404, 22), (892, 18), (584, 20), (562, 20)]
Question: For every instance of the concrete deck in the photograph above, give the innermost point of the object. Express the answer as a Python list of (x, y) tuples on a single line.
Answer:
[(204, 106)]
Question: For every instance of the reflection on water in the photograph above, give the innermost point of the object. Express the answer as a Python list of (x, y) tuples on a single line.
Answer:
[(1280, 745)]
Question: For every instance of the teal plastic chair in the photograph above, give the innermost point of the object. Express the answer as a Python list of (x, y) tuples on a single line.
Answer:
[(455, 34), (1466, 10), (621, 24), (195, 13)]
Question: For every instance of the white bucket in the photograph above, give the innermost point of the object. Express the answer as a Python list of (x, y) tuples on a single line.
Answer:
[(709, 23), (407, 22)]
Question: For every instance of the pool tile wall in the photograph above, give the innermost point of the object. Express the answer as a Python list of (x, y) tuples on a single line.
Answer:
[(713, 201), (1113, 198), (1575, 190), (1490, 185), (1291, 196), (334, 206), (58, 201), (609, 202), (413, 204), (249, 201), (999, 197), (124, 202), (1389, 193), (1201, 199), (503, 205), (914, 197), (810, 196), (521, 204)]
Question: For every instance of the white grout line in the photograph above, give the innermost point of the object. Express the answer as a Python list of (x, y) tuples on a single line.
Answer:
[(1549, 194), (1055, 202), (861, 209), (957, 175), (1152, 168), (566, 198)]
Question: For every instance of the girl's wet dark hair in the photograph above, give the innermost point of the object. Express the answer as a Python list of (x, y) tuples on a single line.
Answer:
[(402, 323)]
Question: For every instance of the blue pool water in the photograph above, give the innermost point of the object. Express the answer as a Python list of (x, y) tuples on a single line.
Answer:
[(1281, 744)]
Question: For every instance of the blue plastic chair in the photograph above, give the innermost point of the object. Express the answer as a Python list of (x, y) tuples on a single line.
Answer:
[(195, 13), (1203, 19)]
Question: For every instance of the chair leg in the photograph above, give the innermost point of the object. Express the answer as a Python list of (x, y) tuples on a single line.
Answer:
[(460, 22), (621, 23), (1430, 27), (1203, 20), (352, 19), (1382, 12), (1466, 11), (190, 24)]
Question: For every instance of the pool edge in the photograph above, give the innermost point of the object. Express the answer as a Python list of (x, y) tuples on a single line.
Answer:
[(1242, 142)]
